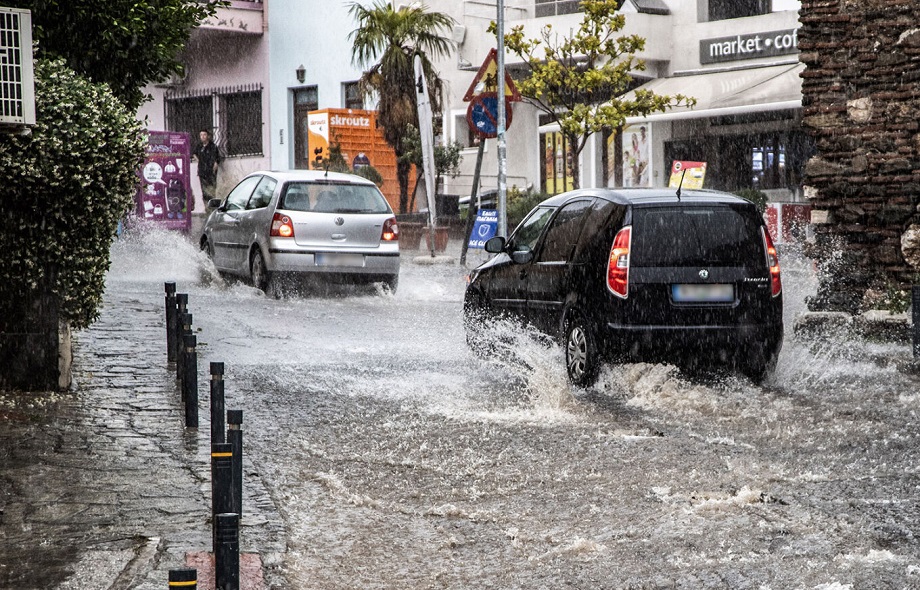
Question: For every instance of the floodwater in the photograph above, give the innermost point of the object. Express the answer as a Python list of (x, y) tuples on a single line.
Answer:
[(397, 460)]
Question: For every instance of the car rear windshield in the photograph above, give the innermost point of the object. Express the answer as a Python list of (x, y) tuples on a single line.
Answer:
[(710, 235), (333, 197)]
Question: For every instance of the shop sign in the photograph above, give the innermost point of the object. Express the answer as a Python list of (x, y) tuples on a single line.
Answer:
[(688, 175), (485, 227), (752, 46), (164, 196)]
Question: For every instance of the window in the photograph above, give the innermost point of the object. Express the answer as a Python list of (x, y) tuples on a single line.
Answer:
[(556, 7), (239, 196), (233, 114), (241, 123), (726, 9), (562, 236), (263, 194), (354, 99), (526, 235)]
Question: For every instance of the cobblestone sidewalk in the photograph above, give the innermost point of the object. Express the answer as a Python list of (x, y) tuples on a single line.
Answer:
[(102, 487)]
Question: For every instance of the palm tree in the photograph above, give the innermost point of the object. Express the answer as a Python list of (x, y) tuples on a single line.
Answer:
[(394, 38)]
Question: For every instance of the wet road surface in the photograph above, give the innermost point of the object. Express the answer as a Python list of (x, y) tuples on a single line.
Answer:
[(380, 454)]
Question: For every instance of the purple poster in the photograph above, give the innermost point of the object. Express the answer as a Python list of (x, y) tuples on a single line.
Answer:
[(165, 194)]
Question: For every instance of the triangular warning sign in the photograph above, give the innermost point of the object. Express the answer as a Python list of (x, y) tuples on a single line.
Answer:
[(486, 80)]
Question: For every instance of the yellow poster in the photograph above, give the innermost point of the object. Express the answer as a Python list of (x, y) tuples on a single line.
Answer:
[(692, 173)]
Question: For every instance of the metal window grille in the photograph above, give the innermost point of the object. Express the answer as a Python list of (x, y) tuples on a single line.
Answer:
[(556, 7), (17, 93), (234, 114)]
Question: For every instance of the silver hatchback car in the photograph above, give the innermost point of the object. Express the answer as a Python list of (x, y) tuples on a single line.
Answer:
[(302, 222)]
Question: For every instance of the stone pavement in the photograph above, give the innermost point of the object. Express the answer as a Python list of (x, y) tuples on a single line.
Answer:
[(103, 487)]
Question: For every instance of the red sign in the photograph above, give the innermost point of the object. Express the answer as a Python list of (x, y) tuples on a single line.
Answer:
[(486, 80)]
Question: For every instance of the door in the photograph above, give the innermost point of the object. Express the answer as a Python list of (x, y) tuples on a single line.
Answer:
[(549, 277), (255, 221), (226, 236), (305, 100), (507, 289)]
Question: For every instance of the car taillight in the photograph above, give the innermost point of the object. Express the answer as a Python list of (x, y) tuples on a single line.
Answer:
[(618, 265), (282, 226), (776, 283), (390, 230)]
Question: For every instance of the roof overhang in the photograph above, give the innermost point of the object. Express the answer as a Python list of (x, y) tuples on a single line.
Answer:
[(732, 92)]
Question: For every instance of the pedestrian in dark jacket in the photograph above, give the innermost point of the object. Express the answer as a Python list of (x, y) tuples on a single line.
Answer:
[(209, 158)]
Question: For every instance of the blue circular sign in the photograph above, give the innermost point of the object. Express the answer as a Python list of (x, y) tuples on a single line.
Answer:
[(482, 115)]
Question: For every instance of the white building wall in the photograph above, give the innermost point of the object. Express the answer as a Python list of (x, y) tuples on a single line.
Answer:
[(312, 33)]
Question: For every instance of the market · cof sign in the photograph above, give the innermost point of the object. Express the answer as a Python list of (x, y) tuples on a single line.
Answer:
[(750, 46)]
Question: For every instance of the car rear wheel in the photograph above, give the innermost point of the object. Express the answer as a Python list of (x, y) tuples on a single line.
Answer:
[(258, 271), (582, 358)]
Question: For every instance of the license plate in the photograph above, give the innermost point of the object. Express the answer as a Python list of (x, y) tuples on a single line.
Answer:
[(338, 259), (703, 293)]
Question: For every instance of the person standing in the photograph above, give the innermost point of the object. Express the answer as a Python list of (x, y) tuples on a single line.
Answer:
[(209, 158)]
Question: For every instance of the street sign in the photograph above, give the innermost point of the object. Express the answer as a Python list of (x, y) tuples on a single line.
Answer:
[(482, 115), (486, 80), (484, 228)]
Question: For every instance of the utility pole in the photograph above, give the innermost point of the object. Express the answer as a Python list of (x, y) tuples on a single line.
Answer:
[(502, 159)]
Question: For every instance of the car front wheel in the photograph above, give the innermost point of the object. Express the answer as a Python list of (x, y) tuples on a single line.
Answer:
[(582, 358)]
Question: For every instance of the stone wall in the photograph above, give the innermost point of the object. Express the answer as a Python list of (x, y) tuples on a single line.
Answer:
[(861, 98)]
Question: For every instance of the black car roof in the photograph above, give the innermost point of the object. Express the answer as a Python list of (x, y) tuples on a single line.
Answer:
[(648, 196)]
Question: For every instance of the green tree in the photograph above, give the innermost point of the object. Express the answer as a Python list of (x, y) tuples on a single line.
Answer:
[(579, 81), (123, 43), (393, 38), (66, 185)]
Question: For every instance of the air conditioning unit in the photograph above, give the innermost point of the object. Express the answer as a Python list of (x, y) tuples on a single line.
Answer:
[(17, 78)]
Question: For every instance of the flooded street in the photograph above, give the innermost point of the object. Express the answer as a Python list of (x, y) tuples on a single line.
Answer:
[(398, 460)]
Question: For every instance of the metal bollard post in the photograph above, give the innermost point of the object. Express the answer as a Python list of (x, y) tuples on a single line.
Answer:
[(190, 382), (217, 403), (235, 438), (915, 314), (186, 578), (185, 329), (221, 483), (170, 322), (227, 552)]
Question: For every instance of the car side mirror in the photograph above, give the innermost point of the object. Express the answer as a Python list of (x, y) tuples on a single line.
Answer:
[(522, 256), (214, 204), (495, 245)]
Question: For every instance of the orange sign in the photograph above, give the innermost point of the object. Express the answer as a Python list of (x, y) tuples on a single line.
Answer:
[(486, 80)]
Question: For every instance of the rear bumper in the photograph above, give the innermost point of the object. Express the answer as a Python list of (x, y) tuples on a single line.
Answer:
[(305, 261), (651, 341)]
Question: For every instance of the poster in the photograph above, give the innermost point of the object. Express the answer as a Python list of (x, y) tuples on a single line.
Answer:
[(558, 163), (165, 193), (637, 140), (692, 179)]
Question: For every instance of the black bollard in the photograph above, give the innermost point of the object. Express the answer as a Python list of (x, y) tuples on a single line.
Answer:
[(185, 329), (171, 322), (915, 314), (221, 483), (217, 403), (190, 382), (186, 578), (227, 552), (235, 438)]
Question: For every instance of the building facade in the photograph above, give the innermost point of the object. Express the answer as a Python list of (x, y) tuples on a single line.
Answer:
[(256, 70)]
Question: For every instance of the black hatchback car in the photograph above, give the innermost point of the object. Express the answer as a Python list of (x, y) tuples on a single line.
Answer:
[(638, 275)]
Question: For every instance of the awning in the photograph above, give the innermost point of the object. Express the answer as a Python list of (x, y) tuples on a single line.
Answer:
[(735, 92)]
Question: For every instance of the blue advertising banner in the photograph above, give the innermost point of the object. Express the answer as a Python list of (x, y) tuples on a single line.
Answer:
[(165, 196), (485, 227)]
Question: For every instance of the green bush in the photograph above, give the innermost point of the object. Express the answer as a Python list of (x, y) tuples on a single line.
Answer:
[(520, 203), (65, 187), (755, 196), (370, 173)]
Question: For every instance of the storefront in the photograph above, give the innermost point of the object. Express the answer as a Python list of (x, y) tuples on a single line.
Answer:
[(745, 125)]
